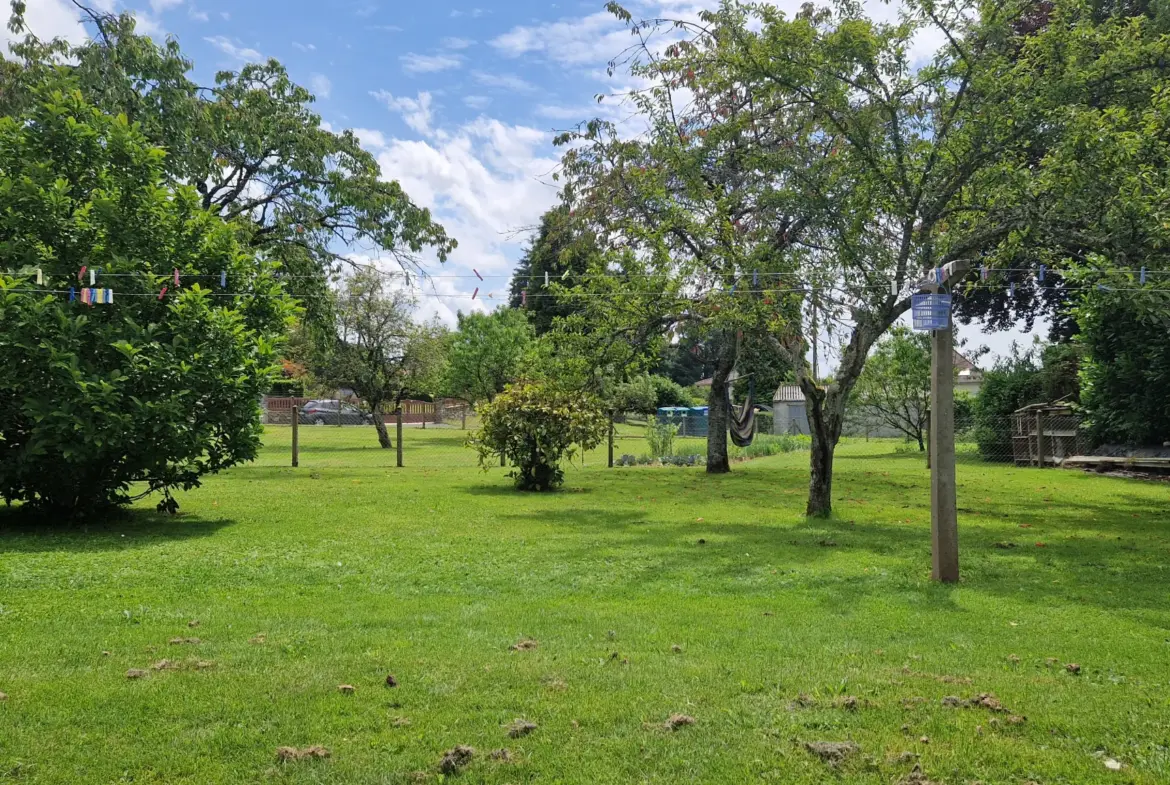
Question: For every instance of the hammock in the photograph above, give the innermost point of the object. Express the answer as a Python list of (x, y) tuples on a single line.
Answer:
[(743, 425)]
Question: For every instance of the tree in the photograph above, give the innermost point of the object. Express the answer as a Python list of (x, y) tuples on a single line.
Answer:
[(534, 425), (487, 353), (106, 403), (895, 385), (824, 143), (1125, 377), (563, 246), (377, 350), (250, 144)]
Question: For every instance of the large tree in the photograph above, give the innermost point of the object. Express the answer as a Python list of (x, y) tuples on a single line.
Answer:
[(377, 349), (865, 168), (250, 143), (105, 400), (487, 353), (562, 248)]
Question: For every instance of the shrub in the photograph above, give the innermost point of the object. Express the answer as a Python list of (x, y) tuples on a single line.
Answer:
[(669, 393), (101, 404), (534, 425), (287, 388), (764, 445), (661, 435)]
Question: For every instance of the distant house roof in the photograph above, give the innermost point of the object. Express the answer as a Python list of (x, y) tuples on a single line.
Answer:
[(703, 382), (963, 364), (788, 393)]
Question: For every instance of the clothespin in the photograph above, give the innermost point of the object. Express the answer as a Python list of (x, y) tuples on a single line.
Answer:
[(163, 293), (109, 295), (1103, 288), (72, 294), (565, 276), (477, 275), (733, 288), (176, 276), (40, 278), (894, 288), (81, 272), (1012, 289), (86, 296), (983, 272), (1040, 274), (546, 279), (223, 279), (1143, 277), (473, 294), (524, 298), (93, 276), (755, 278)]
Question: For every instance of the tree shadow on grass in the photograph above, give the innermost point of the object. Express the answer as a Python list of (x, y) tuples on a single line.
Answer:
[(27, 532)]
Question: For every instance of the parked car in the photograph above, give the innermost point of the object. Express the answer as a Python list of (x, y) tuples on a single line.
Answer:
[(325, 413)]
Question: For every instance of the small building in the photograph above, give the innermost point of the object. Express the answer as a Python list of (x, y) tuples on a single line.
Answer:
[(789, 414), (968, 378), (1045, 434)]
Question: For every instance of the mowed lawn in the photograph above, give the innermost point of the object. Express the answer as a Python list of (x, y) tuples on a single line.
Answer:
[(646, 592)]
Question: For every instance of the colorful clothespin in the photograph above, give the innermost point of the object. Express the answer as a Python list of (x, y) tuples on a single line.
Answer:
[(983, 272), (1143, 276), (109, 295), (81, 273), (163, 293), (176, 276), (477, 275), (523, 298), (1012, 289), (1040, 274), (40, 278), (93, 276), (72, 294), (473, 294), (223, 279), (755, 278)]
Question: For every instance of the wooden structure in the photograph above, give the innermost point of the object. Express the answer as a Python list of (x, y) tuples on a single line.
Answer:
[(1045, 434)]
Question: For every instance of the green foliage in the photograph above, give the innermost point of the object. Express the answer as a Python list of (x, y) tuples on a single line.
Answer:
[(377, 349), (251, 144), (487, 353), (660, 436), (563, 246), (894, 388), (1125, 377), (638, 395), (101, 404), (764, 445), (534, 425), (287, 388), (669, 393)]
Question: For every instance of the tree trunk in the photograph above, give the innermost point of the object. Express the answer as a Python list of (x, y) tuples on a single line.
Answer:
[(921, 443), (719, 414), (826, 417), (384, 440)]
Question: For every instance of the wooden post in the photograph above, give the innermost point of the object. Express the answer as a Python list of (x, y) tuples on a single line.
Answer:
[(1040, 439), (944, 525), (463, 427), (928, 445), (611, 441), (398, 428), (296, 445), (424, 417)]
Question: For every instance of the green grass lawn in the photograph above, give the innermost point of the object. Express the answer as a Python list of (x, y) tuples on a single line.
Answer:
[(650, 591)]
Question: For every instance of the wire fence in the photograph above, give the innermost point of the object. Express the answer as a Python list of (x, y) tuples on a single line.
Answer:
[(435, 435)]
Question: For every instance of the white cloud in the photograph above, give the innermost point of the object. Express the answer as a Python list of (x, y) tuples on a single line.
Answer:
[(425, 64), (234, 49), (477, 101), (416, 112), (591, 39), (388, 28), (320, 85), (486, 181), (46, 19), (197, 15), (456, 43), (158, 6), (304, 47), (145, 24), (366, 9), (474, 13), (503, 81)]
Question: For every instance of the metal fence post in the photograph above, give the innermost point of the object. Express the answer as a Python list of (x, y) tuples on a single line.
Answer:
[(398, 428), (1040, 439), (296, 446)]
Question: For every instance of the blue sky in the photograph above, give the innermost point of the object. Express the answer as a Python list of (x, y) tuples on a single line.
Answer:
[(458, 99)]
